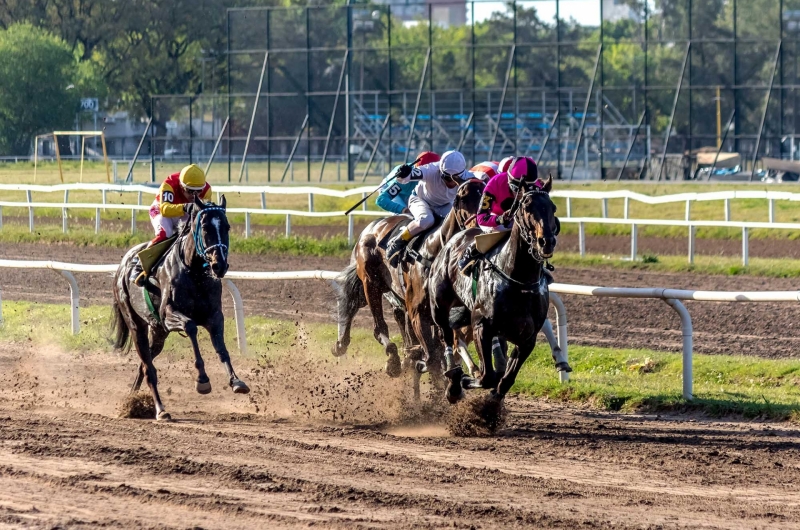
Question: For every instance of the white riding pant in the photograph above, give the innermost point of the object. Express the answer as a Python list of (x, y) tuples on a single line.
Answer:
[(424, 214), (166, 224)]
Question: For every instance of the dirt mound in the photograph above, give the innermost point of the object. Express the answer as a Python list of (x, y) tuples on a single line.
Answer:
[(477, 415), (139, 406)]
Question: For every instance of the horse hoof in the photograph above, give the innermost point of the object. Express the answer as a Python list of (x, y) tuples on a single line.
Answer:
[(338, 350), (454, 393), (421, 367), (394, 367), (163, 416), (239, 387), (563, 367), (203, 388)]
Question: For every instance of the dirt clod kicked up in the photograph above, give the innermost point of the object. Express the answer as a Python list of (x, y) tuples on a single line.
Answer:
[(139, 406), (477, 415)]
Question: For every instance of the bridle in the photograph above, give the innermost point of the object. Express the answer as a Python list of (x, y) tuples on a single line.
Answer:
[(199, 246), (527, 233)]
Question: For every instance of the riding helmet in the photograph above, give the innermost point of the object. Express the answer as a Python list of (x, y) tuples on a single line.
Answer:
[(522, 169), (452, 165), (193, 178), (427, 157), (504, 164)]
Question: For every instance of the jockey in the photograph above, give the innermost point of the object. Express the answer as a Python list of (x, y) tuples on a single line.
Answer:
[(433, 196), (499, 197), (170, 206), (394, 196), (485, 171), (504, 164)]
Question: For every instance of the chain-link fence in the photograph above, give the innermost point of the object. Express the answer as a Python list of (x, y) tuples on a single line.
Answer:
[(585, 86)]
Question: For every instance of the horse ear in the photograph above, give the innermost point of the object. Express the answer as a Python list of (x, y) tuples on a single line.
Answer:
[(548, 184), (198, 203), (224, 203)]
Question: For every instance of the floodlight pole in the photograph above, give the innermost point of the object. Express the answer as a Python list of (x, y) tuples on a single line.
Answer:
[(510, 66), (416, 106), (253, 116)]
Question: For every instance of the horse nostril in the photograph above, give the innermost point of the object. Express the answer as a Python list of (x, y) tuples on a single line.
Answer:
[(542, 242)]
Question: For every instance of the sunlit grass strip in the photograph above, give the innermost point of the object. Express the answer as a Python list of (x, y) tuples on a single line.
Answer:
[(630, 380)]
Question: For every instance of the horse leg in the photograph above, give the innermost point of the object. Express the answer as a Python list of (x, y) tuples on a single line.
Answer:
[(381, 332), (216, 328), (518, 356), (461, 347), (558, 355), (156, 343), (148, 371), (483, 343), (176, 321), (453, 371), (349, 299)]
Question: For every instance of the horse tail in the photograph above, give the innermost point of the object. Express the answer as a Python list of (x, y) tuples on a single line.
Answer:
[(122, 335), (350, 295)]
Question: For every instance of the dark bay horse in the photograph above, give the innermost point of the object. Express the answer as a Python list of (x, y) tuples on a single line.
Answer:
[(509, 298), (370, 276), (188, 294)]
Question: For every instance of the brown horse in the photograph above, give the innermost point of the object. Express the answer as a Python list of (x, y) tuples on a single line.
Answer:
[(509, 298), (370, 276)]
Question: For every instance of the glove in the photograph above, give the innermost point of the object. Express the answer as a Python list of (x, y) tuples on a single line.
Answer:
[(404, 171), (503, 220)]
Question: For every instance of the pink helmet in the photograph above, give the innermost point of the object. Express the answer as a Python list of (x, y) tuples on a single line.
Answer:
[(522, 169), (504, 164)]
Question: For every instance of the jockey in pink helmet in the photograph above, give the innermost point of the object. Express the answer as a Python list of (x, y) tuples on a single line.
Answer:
[(500, 196)]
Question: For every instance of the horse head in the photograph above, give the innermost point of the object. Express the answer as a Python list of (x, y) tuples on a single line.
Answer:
[(211, 234), (467, 202), (537, 221)]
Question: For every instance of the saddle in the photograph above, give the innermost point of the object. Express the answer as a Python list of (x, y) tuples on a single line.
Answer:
[(150, 258), (411, 253)]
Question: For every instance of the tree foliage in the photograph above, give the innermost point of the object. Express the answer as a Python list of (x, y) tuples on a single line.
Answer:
[(41, 82)]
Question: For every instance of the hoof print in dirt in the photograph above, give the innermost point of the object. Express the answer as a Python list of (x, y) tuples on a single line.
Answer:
[(481, 415), (138, 406)]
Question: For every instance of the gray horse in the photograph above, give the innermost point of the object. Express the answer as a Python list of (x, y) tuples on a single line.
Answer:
[(184, 292)]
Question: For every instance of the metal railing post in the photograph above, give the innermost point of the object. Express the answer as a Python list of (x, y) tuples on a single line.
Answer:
[(766, 107), (416, 106), (30, 210), (133, 221), (772, 210), (253, 116), (310, 202), (745, 247), (333, 115), (604, 208), (561, 327), (585, 110), (688, 215), (630, 147), (692, 234), (569, 206), (626, 208), (674, 108), (582, 239), (64, 214), (290, 161), (247, 225), (686, 332), (512, 53), (74, 295), (727, 210), (238, 312), (288, 225), (97, 220), (634, 241), (350, 229)]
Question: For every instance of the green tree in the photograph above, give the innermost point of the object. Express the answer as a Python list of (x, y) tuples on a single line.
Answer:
[(41, 82)]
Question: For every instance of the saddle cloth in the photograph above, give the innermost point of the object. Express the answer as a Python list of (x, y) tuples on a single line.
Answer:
[(150, 257)]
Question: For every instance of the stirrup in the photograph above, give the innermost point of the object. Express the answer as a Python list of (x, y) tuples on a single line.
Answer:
[(139, 280)]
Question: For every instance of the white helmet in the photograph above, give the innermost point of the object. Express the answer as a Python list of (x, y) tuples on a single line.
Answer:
[(452, 165), (505, 164)]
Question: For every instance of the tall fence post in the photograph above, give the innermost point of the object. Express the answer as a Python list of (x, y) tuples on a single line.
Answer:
[(745, 246), (582, 239), (692, 234), (350, 229)]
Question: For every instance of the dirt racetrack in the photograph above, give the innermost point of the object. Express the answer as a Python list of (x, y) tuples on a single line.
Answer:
[(765, 329), (67, 461)]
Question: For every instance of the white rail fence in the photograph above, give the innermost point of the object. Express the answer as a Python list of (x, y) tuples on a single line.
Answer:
[(672, 297), (690, 224)]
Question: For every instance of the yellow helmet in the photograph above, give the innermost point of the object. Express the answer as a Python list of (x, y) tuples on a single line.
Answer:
[(193, 178)]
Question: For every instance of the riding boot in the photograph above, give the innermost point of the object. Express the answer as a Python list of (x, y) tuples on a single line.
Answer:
[(469, 259), (138, 275), (395, 248)]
